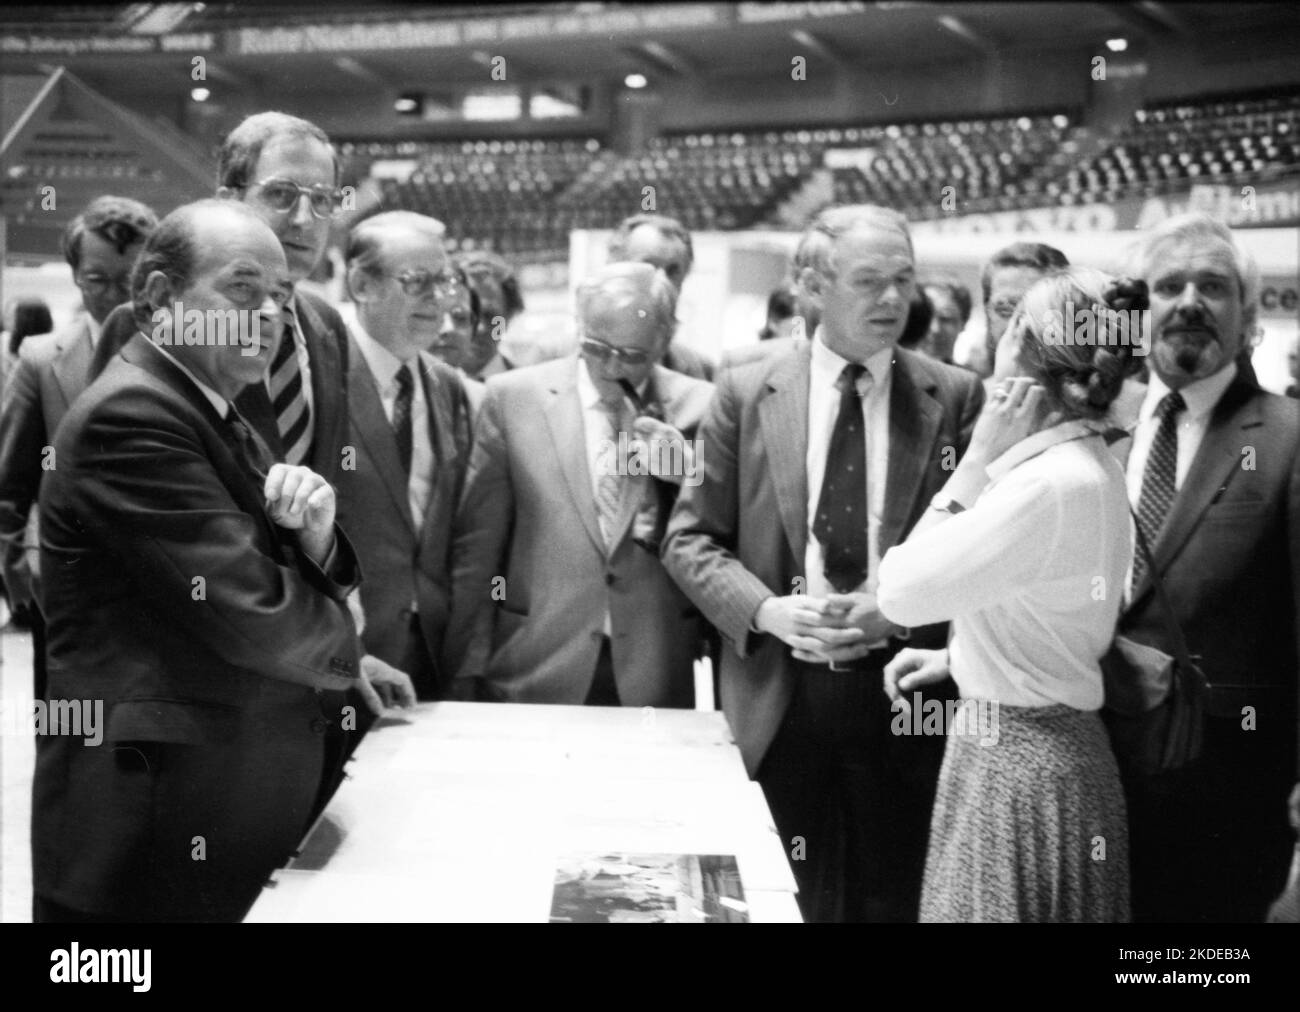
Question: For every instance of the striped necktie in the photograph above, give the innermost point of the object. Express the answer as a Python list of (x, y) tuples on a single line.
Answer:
[(292, 416), (1158, 480)]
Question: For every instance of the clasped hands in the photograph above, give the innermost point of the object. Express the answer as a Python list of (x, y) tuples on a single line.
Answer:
[(835, 629)]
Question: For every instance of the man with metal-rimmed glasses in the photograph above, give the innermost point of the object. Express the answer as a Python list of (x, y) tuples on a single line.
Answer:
[(100, 245), (558, 592), (410, 428)]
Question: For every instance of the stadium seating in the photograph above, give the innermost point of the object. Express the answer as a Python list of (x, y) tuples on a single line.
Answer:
[(522, 197)]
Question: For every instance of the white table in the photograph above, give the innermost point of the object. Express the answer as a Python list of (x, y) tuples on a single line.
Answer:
[(461, 811)]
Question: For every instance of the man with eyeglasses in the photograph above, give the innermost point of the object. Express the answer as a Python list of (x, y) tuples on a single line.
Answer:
[(1010, 272), (410, 428), (558, 594), (286, 171), (100, 245)]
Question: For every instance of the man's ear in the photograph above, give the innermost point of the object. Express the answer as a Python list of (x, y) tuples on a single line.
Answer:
[(360, 284), (812, 284), (158, 291)]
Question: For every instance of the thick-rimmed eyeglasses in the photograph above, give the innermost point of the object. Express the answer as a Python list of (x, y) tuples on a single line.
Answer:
[(603, 352), (419, 282), (282, 196)]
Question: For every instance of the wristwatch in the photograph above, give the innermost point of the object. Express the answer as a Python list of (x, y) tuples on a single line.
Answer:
[(946, 503)]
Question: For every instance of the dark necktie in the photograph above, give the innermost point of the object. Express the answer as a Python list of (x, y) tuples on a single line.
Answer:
[(292, 416), (1158, 480), (253, 453), (402, 416), (841, 522)]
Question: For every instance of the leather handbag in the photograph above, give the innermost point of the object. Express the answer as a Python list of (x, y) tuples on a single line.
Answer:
[(1155, 703)]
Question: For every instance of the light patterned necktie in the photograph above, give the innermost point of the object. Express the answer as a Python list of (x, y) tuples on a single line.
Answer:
[(1158, 480), (288, 401), (610, 486)]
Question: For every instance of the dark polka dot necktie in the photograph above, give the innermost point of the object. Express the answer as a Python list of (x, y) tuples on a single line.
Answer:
[(1158, 480), (840, 525), (402, 416)]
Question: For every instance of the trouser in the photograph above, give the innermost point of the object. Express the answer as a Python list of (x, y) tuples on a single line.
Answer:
[(851, 800)]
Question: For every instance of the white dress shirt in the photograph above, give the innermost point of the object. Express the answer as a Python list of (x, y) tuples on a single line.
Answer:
[(1200, 396), (384, 366), (823, 409), (1031, 575), (93, 328)]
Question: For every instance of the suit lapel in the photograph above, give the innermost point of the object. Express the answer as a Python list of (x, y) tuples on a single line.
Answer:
[(158, 366), (914, 419), (72, 363), (1217, 459), (323, 354), (568, 437), (373, 430), (783, 415)]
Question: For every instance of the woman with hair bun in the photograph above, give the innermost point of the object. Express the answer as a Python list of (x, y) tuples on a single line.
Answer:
[(1025, 551)]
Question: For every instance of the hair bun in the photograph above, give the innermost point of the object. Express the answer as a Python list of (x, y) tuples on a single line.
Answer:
[(1126, 294)]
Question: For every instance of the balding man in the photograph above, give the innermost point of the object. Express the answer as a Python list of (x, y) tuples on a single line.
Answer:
[(409, 425), (821, 456), (195, 589), (665, 243), (559, 595)]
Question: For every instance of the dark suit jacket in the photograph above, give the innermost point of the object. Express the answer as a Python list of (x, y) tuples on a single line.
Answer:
[(207, 634), (1229, 554), (327, 349), (402, 566), (741, 535), (528, 514), (51, 371)]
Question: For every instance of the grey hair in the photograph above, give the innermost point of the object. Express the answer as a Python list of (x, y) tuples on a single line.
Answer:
[(1144, 256), (634, 281), (670, 227), (365, 240), (817, 243)]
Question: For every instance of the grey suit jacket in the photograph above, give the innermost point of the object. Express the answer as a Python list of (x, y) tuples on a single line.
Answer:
[(51, 372), (400, 564), (533, 575), (739, 537)]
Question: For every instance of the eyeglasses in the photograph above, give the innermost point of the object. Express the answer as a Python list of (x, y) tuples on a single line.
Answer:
[(419, 282), (603, 352), (282, 195)]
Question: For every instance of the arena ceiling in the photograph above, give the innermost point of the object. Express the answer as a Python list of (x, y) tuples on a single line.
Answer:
[(334, 48)]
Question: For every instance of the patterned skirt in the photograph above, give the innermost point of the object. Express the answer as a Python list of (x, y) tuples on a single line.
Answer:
[(1031, 827)]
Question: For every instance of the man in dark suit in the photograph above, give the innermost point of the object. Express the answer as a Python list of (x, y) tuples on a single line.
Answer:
[(100, 245), (559, 595), (197, 589), (665, 243), (1214, 477), (410, 429), (843, 426)]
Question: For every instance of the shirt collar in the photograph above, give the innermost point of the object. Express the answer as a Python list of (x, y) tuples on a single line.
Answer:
[(219, 403), (587, 392), (1200, 395), (93, 328), (1045, 439), (827, 365), (383, 364)]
